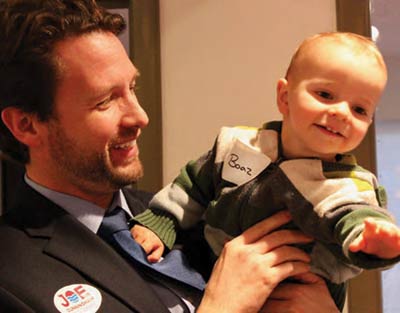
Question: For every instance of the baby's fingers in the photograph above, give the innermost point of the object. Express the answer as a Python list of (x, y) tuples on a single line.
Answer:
[(156, 254), (357, 245)]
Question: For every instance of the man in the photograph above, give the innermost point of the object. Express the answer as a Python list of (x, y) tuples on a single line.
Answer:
[(70, 114)]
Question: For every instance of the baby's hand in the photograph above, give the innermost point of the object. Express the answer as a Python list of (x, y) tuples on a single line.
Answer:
[(378, 238), (151, 244)]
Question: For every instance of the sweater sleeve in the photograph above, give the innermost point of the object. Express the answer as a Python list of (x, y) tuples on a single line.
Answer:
[(341, 195), (183, 202), (350, 226), (368, 199)]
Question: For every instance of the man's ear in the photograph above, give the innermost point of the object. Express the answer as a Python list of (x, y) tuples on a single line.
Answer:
[(22, 125), (282, 96)]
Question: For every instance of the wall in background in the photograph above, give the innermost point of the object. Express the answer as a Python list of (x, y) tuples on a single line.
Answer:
[(385, 16), (220, 61)]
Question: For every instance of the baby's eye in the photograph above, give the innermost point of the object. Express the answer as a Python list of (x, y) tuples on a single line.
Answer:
[(360, 110), (325, 95)]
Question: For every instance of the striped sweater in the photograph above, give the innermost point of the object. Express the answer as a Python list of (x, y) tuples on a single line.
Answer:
[(244, 179)]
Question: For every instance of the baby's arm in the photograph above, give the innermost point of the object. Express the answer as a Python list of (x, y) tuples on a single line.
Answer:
[(379, 238), (151, 244)]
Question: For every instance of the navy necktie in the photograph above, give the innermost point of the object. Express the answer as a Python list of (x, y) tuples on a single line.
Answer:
[(114, 230)]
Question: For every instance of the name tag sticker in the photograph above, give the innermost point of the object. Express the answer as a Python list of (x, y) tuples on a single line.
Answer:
[(78, 298), (242, 163)]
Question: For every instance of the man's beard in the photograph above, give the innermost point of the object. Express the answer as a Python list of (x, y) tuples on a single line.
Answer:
[(87, 167)]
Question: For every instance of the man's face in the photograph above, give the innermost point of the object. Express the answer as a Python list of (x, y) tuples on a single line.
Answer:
[(330, 101), (92, 138)]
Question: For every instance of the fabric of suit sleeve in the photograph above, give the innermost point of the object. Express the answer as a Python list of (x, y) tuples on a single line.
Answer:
[(10, 303)]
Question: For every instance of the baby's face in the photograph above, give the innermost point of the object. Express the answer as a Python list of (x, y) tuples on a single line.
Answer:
[(331, 98)]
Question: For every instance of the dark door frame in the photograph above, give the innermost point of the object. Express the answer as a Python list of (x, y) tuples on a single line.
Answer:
[(365, 291)]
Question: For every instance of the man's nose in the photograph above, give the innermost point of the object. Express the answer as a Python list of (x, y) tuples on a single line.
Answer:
[(133, 113)]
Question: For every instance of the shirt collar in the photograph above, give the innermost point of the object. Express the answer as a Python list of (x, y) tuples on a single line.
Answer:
[(88, 213)]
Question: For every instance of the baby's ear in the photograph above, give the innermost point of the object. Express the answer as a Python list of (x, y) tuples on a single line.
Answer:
[(21, 124), (282, 96)]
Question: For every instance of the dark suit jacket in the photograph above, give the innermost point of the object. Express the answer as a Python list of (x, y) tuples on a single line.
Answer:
[(43, 248)]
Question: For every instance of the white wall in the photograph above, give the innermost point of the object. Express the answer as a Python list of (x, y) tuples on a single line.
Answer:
[(220, 63)]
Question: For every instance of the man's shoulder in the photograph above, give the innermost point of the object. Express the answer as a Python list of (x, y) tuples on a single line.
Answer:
[(14, 242)]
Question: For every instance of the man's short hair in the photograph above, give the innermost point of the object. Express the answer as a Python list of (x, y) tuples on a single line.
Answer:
[(29, 30)]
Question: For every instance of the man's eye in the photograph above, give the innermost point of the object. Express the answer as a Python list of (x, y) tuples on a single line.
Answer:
[(360, 110), (325, 95), (103, 104)]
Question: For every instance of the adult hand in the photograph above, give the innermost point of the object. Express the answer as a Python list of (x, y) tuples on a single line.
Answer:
[(310, 295), (252, 265)]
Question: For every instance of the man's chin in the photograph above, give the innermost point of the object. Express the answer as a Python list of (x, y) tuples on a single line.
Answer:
[(126, 176)]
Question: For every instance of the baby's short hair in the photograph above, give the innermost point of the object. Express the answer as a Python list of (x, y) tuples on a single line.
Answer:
[(358, 43)]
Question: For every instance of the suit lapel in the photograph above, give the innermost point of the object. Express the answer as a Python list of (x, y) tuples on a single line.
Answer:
[(75, 245)]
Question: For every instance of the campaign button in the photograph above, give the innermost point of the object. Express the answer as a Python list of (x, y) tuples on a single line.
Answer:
[(77, 298)]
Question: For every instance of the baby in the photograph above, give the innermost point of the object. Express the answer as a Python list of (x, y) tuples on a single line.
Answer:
[(301, 164)]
